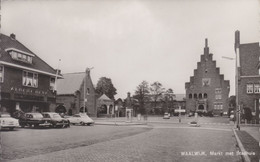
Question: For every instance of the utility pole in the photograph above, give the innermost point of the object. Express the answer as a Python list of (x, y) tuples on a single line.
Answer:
[(237, 43)]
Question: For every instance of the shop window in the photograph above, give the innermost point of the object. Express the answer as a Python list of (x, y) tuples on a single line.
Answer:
[(1, 74), (190, 96), (30, 79), (249, 88), (52, 84), (257, 88)]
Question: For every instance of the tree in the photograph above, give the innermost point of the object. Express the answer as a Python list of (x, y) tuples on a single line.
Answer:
[(169, 97), (141, 92), (105, 86), (156, 91)]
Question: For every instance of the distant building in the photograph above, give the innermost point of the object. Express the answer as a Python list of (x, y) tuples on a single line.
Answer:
[(26, 81), (70, 94), (249, 77), (207, 91), (105, 106)]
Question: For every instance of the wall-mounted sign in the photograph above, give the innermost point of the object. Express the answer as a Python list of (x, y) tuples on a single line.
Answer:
[(28, 91)]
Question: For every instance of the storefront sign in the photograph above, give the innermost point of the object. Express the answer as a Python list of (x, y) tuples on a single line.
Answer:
[(28, 91)]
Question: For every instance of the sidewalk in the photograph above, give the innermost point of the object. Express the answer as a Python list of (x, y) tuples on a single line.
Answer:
[(248, 141)]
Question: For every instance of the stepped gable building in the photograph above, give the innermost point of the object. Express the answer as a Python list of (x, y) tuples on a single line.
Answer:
[(70, 94), (207, 90), (26, 81), (249, 77)]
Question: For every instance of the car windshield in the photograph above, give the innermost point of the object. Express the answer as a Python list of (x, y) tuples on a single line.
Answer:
[(5, 116), (56, 116), (37, 116), (76, 116)]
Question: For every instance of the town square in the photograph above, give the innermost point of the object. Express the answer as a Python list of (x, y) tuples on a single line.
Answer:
[(122, 80)]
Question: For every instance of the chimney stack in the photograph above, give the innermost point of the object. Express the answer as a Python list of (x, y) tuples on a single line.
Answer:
[(13, 36), (206, 48)]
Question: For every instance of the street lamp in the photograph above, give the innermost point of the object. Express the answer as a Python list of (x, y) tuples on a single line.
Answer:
[(236, 77)]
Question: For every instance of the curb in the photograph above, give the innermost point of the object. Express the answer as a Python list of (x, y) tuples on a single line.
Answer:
[(118, 124), (241, 147)]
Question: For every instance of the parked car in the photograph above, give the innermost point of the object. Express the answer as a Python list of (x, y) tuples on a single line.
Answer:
[(34, 120), (56, 120), (166, 116), (82, 119), (6, 121)]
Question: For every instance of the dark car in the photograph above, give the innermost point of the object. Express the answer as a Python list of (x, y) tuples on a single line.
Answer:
[(56, 120), (34, 120)]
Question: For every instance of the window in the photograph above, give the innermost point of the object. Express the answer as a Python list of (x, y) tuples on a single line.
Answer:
[(30, 79), (195, 95), (218, 106), (218, 96), (200, 96), (205, 95), (249, 88), (218, 91), (1, 74), (88, 91), (52, 84), (257, 88), (21, 57), (190, 95)]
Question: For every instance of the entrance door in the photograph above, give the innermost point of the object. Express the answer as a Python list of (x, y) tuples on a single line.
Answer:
[(201, 107)]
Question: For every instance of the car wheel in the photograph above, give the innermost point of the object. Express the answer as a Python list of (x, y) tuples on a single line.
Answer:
[(82, 123), (89, 124), (12, 128)]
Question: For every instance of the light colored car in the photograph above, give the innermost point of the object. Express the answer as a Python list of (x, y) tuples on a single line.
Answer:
[(82, 119), (166, 116), (6, 121)]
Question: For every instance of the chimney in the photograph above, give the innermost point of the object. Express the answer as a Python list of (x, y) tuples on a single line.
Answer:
[(206, 48), (12, 36), (237, 39)]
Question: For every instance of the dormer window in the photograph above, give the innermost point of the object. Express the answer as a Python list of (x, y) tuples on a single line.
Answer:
[(20, 55)]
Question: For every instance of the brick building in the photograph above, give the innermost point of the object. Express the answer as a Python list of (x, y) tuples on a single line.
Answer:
[(26, 81), (207, 90), (70, 94), (249, 77)]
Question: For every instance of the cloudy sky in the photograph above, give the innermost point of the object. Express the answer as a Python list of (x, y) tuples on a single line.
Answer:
[(132, 41)]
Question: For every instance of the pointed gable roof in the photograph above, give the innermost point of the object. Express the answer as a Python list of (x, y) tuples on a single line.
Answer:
[(38, 65), (104, 98), (70, 83)]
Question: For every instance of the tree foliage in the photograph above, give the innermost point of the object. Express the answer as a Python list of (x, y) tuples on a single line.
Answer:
[(141, 92), (105, 86), (156, 91)]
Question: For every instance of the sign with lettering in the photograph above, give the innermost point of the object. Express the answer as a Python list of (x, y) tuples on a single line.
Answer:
[(28, 91)]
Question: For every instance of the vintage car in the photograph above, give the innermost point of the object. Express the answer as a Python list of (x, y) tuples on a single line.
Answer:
[(56, 120), (82, 119), (6, 121), (166, 116), (34, 120)]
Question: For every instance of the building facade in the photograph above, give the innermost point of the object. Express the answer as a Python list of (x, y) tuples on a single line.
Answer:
[(207, 91), (249, 77), (74, 92), (26, 81)]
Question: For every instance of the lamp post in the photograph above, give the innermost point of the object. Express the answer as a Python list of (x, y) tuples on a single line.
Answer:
[(237, 42)]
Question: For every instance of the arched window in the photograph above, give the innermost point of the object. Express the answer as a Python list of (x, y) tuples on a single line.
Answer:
[(195, 95), (200, 96), (205, 95), (190, 95)]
